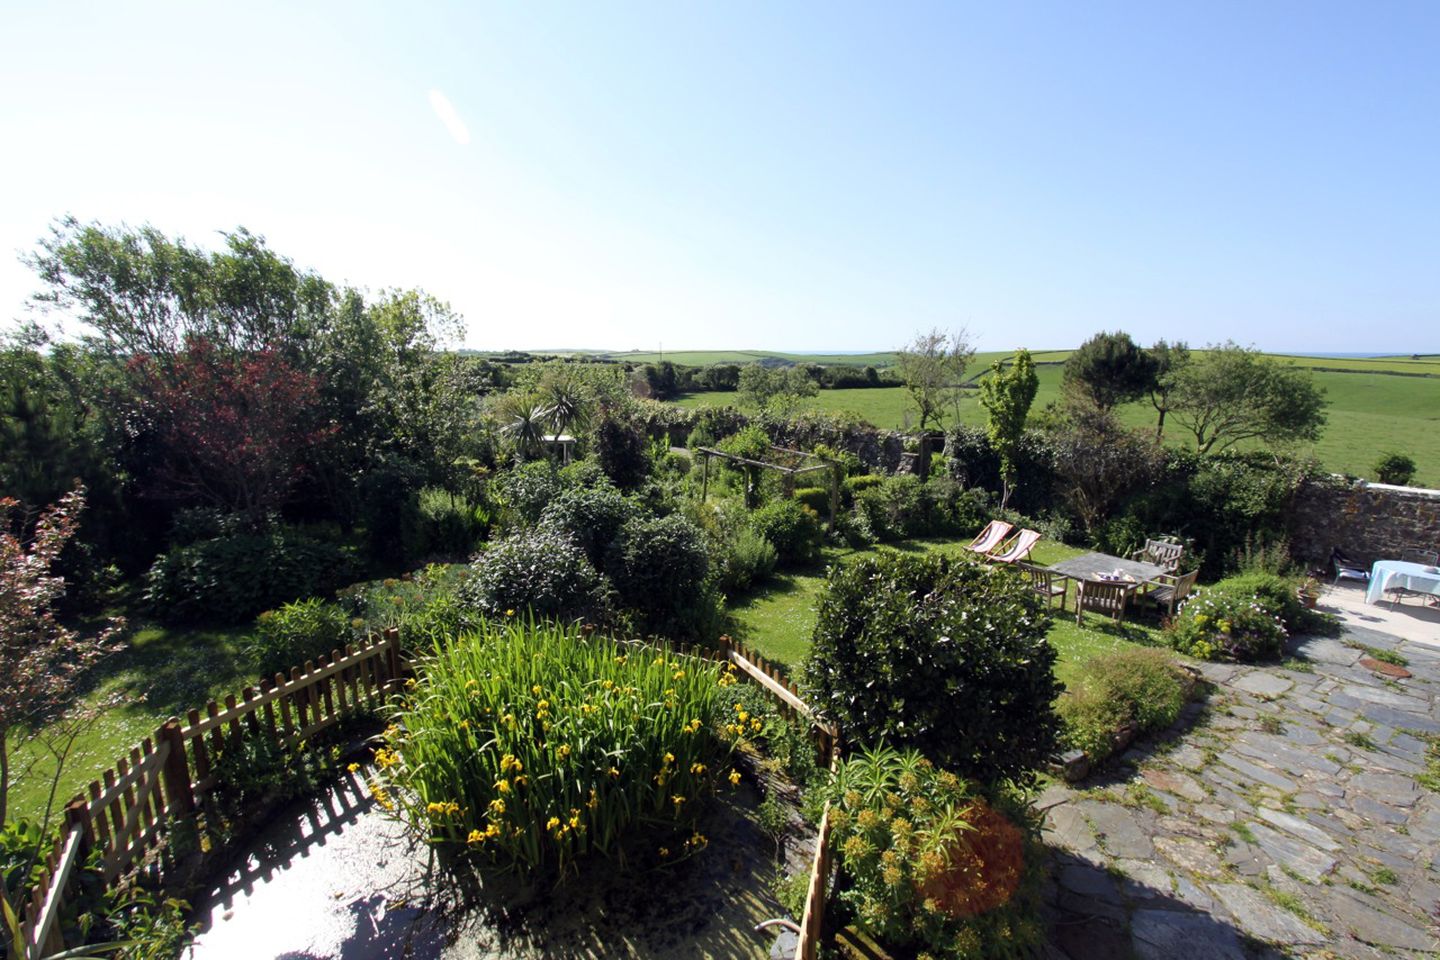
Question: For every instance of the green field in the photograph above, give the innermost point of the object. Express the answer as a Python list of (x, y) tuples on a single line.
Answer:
[(884, 358), (778, 619), (1368, 415)]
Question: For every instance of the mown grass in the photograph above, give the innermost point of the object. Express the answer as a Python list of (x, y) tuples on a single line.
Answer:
[(778, 619), (161, 673), (1369, 414)]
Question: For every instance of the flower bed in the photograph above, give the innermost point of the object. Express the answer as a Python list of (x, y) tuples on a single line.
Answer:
[(536, 746)]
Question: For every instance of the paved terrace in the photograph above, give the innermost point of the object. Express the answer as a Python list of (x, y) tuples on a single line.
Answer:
[(1285, 820)]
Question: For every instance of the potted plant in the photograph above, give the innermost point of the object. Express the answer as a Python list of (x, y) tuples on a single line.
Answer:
[(1309, 592)]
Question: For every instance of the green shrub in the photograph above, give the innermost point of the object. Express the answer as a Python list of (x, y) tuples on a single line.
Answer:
[(1140, 687), (1223, 625), (816, 498), (428, 604), (447, 524), (750, 442), (300, 631), (659, 566), (543, 573), (526, 490), (1396, 468), (535, 748), (590, 517), (230, 580), (388, 494), (792, 529), (622, 451), (744, 560), (953, 508), (854, 485), (1278, 595), (938, 654), (932, 868), (894, 509)]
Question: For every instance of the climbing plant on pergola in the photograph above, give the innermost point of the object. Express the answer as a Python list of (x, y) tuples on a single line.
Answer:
[(805, 463)]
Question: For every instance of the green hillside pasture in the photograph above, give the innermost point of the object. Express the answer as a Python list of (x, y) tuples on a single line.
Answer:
[(1424, 365), (1368, 415), (701, 358)]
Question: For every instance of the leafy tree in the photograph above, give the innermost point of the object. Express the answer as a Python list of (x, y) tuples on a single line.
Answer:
[(40, 658), (1006, 395), (1396, 468), (145, 294), (233, 430), (1167, 360), (774, 389), (1110, 369), (1230, 394), (932, 367), (1099, 462)]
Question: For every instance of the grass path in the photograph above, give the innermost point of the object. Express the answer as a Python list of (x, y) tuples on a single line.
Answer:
[(778, 619)]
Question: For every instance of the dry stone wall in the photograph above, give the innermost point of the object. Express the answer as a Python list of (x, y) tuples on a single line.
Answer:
[(1368, 521)]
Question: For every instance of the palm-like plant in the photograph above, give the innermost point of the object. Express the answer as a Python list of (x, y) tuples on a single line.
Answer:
[(565, 405), (523, 423)]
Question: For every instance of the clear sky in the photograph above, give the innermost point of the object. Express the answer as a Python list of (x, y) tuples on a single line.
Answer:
[(827, 176)]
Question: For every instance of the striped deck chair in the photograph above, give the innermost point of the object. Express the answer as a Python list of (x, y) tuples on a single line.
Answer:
[(990, 537), (1017, 549)]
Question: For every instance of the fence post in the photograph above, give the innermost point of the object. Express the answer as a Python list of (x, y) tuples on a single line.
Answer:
[(179, 798), (392, 639)]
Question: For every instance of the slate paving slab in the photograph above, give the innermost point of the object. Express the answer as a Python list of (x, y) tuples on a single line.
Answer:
[(1280, 837)]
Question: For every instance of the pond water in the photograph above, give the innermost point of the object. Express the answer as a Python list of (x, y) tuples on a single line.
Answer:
[(335, 878)]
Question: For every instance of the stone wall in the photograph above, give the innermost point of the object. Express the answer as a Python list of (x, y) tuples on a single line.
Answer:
[(1368, 521)]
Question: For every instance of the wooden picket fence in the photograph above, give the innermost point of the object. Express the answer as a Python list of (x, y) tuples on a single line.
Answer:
[(168, 777), (827, 738)]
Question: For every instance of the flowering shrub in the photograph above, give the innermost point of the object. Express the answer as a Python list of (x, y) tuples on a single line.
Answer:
[(1218, 625), (933, 867), (535, 746)]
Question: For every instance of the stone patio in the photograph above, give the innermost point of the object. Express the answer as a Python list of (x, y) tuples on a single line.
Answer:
[(1285, 820)]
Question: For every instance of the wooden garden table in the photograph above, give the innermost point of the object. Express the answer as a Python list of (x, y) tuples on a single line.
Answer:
[(1089, 566)]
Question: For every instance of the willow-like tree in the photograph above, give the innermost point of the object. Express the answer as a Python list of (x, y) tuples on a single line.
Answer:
[(1006, 396), (932, 367)]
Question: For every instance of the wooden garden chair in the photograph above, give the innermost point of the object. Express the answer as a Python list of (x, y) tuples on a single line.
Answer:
[(1103, 597), (1016, 550), (1046, 583), (1162, 553), (1173, 588), (989, 538)]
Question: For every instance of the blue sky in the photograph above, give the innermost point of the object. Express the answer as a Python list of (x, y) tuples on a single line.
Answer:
[(759, 175)]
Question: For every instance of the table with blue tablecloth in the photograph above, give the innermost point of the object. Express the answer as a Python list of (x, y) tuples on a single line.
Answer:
[(1397, 574)]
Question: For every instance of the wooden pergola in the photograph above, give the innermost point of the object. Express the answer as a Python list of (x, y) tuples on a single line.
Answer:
[(787, 474)]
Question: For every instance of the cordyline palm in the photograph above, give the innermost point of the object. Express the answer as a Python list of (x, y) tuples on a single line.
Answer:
[(565, 407), (524, 423)]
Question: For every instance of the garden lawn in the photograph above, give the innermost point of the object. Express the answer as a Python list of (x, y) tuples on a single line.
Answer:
[(777, 620), (160, 674)]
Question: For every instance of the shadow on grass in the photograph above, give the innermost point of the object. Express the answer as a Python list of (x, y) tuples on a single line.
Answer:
[(171, 670)]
